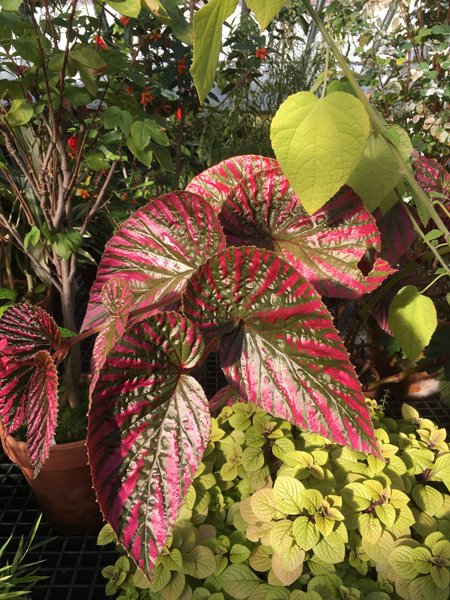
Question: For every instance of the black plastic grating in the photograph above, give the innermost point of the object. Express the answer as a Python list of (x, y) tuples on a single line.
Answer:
[(72, 564), (429, 408)]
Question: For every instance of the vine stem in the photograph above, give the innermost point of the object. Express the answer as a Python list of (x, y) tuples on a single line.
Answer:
[(425, 241), (379, 125)]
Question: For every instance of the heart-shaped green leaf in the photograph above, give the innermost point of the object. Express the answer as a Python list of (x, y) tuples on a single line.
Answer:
[(412, 318), (319, 143)]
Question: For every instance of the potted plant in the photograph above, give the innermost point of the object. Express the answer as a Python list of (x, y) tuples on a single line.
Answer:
[(216, 267), (68, 125)]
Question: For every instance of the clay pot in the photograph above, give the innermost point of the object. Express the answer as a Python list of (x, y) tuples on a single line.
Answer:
[(63, 488)]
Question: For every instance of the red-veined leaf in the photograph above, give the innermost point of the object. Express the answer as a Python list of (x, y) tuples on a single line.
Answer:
[(216, 183), (326, 247), (156, 250), (29, 329), (431, 175), (148, 428), (279, 348), (118, 300), (227, 396), (397, 233), (24, 330), (41, 411)]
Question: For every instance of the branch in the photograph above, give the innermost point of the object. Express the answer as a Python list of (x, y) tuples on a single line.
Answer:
[(62, 74), (23, 203), (93, 209)]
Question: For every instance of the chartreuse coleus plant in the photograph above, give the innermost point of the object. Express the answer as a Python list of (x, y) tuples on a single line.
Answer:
[(274, 512), (233, 264)]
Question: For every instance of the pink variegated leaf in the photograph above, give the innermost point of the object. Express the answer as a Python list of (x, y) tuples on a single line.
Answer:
[(41, 411), (29, 329), (397, 233), (118, 300), (148, 427), (216, 183), (326, 248), (279, 348), (155, 251), (380, 271), (431, 175), (25, 329)]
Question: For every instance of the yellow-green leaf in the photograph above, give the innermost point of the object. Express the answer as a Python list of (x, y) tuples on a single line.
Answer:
[(20, 113), (427, 498), (288, 495), (412, 318), (265, 10), (130, 8), (281, 535), (319, 143), (305, 533), (208, 41), (376, 174)]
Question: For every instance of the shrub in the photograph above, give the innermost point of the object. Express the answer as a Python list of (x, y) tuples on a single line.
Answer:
[(278, 513)]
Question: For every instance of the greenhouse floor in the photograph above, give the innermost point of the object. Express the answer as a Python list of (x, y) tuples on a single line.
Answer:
[(73, 564)]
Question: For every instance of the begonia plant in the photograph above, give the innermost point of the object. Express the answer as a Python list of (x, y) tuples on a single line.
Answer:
[(233, 264)]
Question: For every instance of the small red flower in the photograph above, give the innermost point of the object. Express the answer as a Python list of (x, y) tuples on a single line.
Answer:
[(182, 67), (129, 90), (179, 114), (155, 35), (146, 98), (261, 53), (83, 193), (72, 142), (100, 42), (124, 20)]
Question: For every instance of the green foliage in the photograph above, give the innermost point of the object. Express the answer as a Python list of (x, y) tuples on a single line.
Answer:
[(18, 577), (404, 63), (413, 320), (208, 41), (319, 143), (311, 521), (265, 10)]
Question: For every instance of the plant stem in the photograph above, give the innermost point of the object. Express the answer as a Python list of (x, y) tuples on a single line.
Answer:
[(426, 242), (379, 125)]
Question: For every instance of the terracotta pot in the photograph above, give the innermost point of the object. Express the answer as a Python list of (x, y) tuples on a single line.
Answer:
[(63, 488)]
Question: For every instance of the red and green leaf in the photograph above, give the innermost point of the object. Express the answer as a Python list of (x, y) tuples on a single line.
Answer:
[(41, 410), (156, 250), (25, 329), (226, 396), (118, 300), (279, 348), (216, 183), (29, 329), (148, 428), (397, 233), (326, 247)]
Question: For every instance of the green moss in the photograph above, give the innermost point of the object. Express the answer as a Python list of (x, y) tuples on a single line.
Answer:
[(72, 422)]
